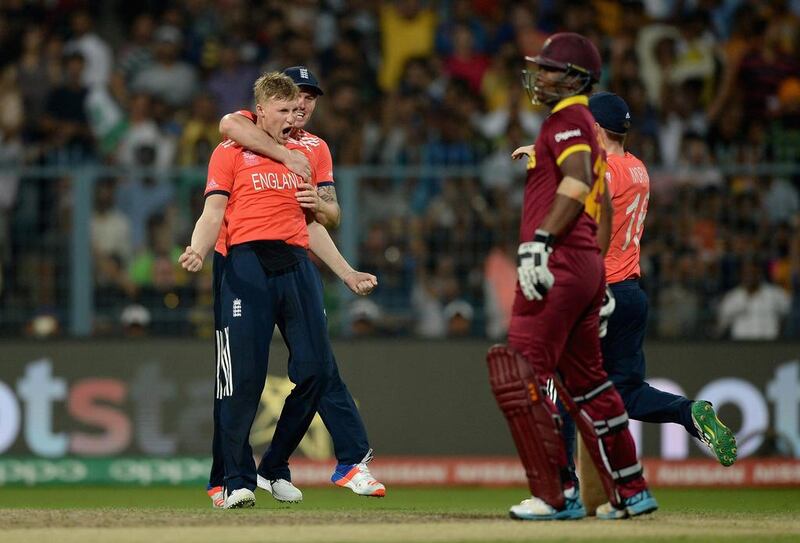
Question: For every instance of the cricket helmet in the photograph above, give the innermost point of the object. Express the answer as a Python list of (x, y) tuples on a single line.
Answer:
[(574, 55)]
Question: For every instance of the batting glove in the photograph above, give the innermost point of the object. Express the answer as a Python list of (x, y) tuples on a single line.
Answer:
[(535, 278), (609, 303)]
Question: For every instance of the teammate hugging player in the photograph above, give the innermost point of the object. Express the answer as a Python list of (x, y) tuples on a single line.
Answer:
[(317, 195), (555, 317), (267, 279)]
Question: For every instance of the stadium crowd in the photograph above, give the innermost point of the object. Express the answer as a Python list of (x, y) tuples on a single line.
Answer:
[(713, 87)]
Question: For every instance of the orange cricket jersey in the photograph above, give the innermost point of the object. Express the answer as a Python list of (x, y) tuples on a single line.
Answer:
[(629, 187), (319, 156), (261, 196)]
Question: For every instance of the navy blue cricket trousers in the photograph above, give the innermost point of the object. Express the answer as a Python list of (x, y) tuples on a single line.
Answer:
[(623, 360), (336, 406)]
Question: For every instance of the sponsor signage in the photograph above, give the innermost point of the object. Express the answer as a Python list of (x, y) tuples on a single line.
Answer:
[(395, 471), (153, 398)]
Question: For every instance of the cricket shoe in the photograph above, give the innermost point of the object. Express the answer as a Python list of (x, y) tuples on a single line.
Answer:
[(281, 489), (641, 503), (239, 499), (357, 478), (713, 433), (537, 509), (217, 496)]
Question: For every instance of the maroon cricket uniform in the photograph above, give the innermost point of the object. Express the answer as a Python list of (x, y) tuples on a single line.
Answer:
[(560, 332), (543, 326)]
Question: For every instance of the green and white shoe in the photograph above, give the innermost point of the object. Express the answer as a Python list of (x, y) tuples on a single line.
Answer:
[(713, 433)]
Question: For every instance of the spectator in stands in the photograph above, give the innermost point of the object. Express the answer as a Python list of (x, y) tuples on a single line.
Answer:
[(431, 293), (135, 320), (466, 62), (459, 316), (461, 13), (65, 123), (696, 165), (144, 133), (36, 76), (407, 31), (168, 78), (112, 253), (143, 194), (201, 132), (781, 201), (754, 309), (678, 308), (365, 318), (95, 51), (682, 114), (137, 52), (231, 81), (111, 230), (11, 156), (398, 98), (499, 275), (163, 285)]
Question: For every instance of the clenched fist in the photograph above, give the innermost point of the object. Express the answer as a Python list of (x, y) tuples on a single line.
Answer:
[(191, 260), (361, 283)]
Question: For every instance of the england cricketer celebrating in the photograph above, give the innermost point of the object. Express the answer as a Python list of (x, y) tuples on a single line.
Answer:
[(267, 280), (337, 407)]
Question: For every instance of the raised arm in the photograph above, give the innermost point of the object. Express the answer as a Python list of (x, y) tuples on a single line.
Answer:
[(244, 132), (205, 233), (322, 245)]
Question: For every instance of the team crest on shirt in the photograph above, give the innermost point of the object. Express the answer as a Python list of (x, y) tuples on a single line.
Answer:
[(249, 157)]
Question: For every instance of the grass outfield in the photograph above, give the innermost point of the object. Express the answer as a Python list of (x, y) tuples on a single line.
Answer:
[(128, 514)]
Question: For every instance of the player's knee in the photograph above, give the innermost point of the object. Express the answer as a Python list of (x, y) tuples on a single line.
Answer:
[(320, 375), (604, 406)]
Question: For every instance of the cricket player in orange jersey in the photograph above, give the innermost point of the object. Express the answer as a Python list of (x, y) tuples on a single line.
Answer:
[(267, 280), (623, 356), (316, 194)]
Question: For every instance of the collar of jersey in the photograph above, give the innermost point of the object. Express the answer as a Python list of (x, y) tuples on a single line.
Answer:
[(571, 101)]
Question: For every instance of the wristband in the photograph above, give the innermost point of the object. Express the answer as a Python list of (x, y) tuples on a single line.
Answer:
[(543, 236)]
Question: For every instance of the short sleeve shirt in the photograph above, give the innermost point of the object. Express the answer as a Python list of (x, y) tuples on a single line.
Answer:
[(321, 164), (629, 187), (568, 129), (261, 197)]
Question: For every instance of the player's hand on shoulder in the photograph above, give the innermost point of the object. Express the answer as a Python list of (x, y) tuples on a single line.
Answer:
[(361, 283), (535, 278), (299, 164), (308, 197), (191, 260), (520, 152)]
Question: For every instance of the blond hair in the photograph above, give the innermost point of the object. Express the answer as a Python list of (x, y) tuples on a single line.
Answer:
[(275, 86)]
